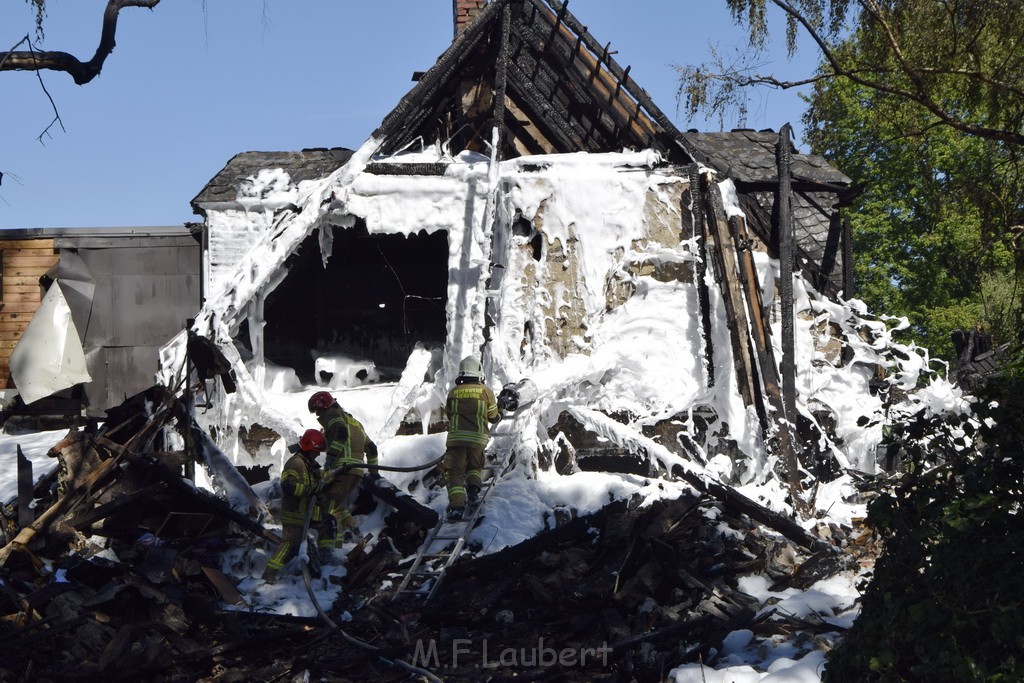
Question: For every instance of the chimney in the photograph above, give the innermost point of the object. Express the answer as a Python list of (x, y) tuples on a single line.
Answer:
[(465, 13)]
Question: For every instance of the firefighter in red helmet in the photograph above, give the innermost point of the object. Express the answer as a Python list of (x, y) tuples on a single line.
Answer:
[(347, 444), (299, 481)]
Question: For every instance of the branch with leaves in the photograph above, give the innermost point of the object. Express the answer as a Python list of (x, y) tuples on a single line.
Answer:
[(916, 50)]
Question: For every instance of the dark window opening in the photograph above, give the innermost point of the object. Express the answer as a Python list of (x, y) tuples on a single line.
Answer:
[(378, 296), (523, 228), (538, 247)]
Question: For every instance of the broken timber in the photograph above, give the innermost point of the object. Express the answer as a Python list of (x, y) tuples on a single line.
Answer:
[(703, 296), (387, 492), (740, 503), (787, 250), (726, 270), (648, 582), (755, 360), (24, 489), (783, 201)]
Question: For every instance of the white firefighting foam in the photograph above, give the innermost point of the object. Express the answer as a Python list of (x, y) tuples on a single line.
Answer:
[(642, 357)]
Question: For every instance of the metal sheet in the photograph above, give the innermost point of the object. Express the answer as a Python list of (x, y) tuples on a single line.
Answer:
[(143, 296), (48, 358), (79, 287), (119, 372)]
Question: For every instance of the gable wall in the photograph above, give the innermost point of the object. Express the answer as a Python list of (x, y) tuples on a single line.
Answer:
[(588, 267), (229, 236)]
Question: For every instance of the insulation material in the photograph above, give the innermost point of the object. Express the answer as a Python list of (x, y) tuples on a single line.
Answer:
[(49, 356)]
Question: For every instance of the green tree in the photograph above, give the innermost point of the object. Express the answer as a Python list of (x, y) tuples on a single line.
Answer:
[(944, 602), (960, 61), (921, 102), (933, 236)]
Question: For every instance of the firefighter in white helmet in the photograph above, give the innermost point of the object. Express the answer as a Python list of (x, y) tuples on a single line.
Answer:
[(471, 409)]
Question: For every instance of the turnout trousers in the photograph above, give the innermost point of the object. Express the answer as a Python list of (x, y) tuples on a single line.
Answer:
[(335, 502), (463, 467)]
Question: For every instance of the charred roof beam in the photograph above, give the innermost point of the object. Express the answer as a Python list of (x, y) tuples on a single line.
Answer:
[(632, 88), (584, 74), (539, 111), (433, 81)]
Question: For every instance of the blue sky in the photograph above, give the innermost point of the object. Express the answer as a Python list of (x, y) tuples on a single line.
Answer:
[(190, 84)]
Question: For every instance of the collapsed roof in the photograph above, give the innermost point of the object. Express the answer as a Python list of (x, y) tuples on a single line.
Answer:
[(534, 70)]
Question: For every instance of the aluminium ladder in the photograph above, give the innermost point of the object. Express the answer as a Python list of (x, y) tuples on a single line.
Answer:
[(427, 571)]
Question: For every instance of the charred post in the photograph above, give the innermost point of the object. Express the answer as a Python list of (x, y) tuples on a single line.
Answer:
[(783, 201), (701, 269)]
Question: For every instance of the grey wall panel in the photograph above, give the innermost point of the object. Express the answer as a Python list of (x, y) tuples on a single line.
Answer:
[(150, 309), (143, 297), (130, 369), (96, 390)]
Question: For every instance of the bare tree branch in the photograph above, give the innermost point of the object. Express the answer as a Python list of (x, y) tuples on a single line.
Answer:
[(748, 80), (81, 72), (11, 51), (56, 114)]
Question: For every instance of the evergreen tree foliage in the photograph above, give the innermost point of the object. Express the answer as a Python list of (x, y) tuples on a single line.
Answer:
[(946, 601)]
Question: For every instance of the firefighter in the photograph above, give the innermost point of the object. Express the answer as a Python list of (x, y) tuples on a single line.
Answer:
[(471, 408), (347, 444), (299, 484)]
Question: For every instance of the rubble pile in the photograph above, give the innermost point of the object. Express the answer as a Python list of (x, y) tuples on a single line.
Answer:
[(121, 573), (626, 593)]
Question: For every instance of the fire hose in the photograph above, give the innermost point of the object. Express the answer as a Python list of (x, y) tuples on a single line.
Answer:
[(307, 576), (513, 396)]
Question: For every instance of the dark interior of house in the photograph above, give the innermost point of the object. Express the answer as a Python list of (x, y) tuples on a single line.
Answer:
[(378, 296)]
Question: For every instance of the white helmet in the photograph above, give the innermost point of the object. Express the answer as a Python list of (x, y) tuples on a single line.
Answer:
[(470, 366)]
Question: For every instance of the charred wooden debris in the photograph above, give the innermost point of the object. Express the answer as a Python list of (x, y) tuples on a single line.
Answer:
[(118, 571)]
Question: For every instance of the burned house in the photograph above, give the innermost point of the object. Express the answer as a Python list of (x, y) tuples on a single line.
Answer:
[(670, 296), (524, 201)]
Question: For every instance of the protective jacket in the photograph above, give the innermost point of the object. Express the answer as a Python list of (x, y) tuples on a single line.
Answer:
[(299, 479), (470, 407), (347, 442)]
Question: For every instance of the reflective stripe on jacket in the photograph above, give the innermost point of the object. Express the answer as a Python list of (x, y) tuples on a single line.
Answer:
[(470, 408), (347, 443), (298, 481)]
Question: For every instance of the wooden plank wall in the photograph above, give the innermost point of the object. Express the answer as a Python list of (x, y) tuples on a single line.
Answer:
[(22, 262)]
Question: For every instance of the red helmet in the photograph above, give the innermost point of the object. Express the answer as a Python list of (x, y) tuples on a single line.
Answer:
[(320, 400), (312, 440)]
